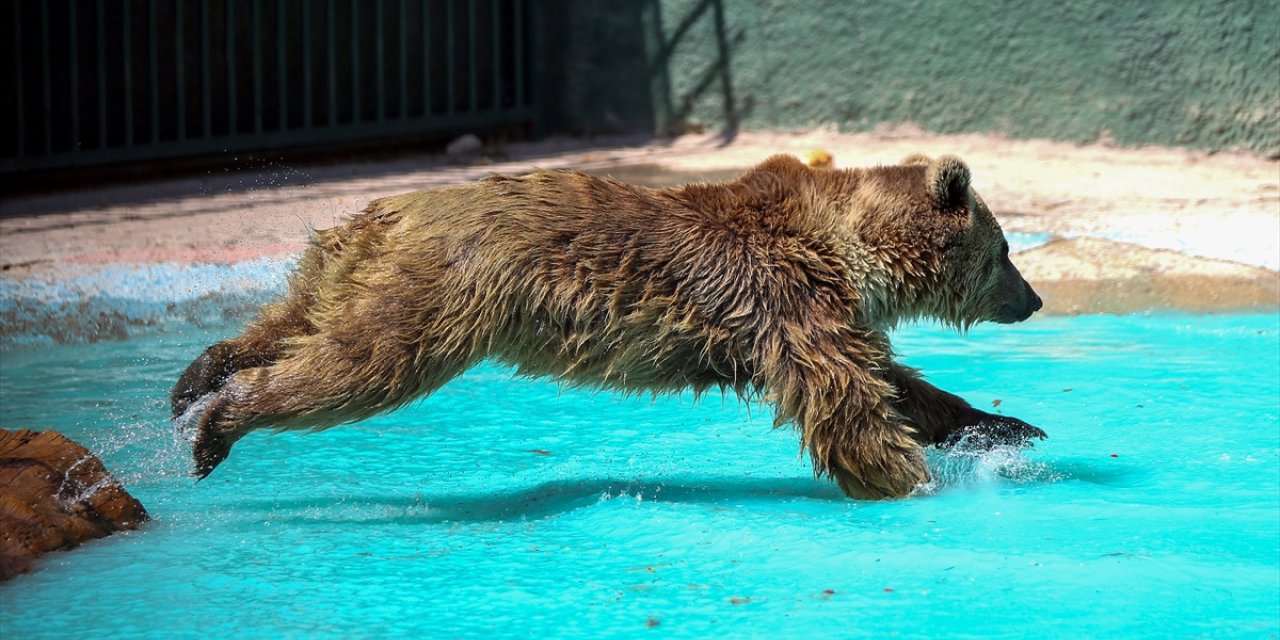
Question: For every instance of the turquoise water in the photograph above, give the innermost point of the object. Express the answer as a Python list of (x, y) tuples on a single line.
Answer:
[(507, 507)]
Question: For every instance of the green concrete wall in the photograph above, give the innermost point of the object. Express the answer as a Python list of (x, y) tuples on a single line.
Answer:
[(1168, 72)]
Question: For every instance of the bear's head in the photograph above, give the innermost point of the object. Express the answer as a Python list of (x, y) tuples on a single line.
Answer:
[(950, 255)]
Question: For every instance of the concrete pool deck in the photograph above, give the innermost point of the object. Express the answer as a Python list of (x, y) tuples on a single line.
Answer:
[(1123, 230)]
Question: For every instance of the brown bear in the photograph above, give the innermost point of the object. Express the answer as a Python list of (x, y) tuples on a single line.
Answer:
[(781, 283)]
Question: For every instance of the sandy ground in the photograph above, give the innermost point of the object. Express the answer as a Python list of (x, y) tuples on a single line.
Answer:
[(1132, 229)]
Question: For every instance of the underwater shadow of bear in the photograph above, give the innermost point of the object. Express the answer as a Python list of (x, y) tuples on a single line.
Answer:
[(545, 500)]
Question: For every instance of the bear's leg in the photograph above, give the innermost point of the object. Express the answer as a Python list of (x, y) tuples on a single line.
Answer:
[(259, 345), (263, 341), (942, 418), (827, 386), (320, 382)]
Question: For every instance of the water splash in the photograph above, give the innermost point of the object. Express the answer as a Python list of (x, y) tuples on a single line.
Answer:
[(186, 426), (962, 466)]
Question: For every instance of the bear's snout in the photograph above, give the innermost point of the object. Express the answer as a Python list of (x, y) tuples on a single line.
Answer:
[(1021, 307), (1033, 302)]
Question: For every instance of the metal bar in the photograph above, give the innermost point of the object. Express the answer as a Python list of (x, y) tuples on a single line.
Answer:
[(231, 68), (530, 106), (379, 47), (426, 59), (46, 77), (74, 76), (404, 61), (102, 77), (497, 55), (256, 8), (518, 22), (180, 58), (282, 71), (355, 62), (155, 72), (17, 69), (333, 85), (448, 54), (305, 41), (206, 104), (127, 45), (472, 69)]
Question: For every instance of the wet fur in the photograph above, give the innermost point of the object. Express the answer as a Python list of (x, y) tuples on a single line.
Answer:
[(782, 283)]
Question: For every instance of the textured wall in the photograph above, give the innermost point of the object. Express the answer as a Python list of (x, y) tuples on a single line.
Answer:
[(1170, 72)]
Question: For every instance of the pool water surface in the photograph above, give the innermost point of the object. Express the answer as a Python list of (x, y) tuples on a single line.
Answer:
[(507, 507)]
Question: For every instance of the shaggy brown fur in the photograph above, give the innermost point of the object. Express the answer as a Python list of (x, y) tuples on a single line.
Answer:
[(782, 282)]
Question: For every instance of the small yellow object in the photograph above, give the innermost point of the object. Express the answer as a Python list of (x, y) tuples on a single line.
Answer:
[(818, 158)]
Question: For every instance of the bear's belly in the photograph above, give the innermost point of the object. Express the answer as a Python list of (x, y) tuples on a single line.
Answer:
[(627, 360)]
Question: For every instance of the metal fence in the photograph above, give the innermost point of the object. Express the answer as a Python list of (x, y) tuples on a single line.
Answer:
[(101, 81)]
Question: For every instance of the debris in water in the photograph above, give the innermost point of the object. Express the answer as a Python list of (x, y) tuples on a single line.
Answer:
[(996, 402), (652, 622), (541, 452), (737, 600)]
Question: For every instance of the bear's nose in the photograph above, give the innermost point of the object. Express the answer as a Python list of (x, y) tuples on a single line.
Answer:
[(1036, 302)]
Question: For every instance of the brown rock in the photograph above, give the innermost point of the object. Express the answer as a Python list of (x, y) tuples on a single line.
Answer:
[(55, 494), (1089, 275)]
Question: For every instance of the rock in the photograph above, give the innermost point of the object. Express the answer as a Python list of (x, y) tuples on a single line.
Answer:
[(54, 495), (463, 145), (1090, 275)]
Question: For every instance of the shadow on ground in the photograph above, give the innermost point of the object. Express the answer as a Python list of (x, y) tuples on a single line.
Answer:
[(543, 500)]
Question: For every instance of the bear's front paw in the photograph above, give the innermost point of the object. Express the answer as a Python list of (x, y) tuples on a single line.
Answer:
[(213, 439), (984, 430)]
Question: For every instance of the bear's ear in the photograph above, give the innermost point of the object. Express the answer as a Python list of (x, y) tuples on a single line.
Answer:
[(947, 180), (918, 158)]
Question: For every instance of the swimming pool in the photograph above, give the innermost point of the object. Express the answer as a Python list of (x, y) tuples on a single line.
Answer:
[(509, 507)]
